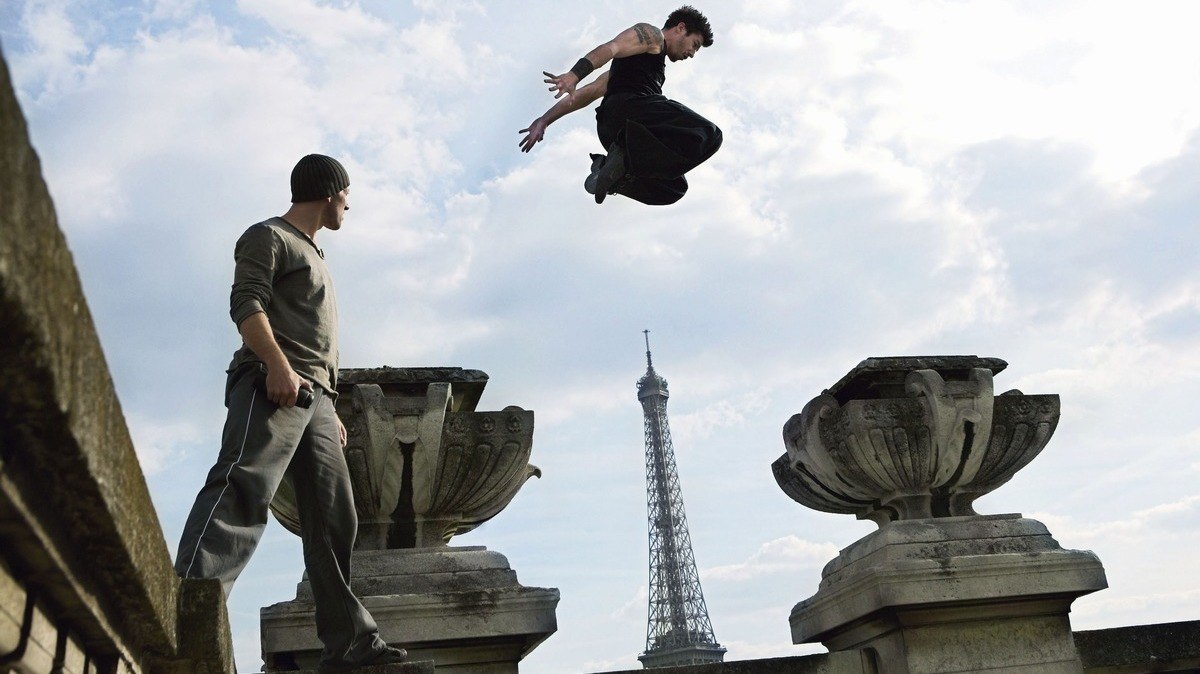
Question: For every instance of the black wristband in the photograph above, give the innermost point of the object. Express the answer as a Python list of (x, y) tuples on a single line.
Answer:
[(582, 68)]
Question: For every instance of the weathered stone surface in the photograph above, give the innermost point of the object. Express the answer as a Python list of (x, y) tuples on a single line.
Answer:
[(424, 468), (204, 635), (414, 381), (413, 667), (885, 377), (684, 652), (78, 531), (393, 572), (911, 438), (921, 541), (461, 607), (1166, 647), (951, 595), (845, 662)]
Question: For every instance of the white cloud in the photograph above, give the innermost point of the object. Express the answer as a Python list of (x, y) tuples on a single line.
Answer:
[(789, 554), (571, 400), (754, 650), (158, 443), (928, 78), (412, 332), (324, 27), (1106, 609), (610, 664), (1140, 522), (721, 414), (55, 45), (450, 8), (631, 608), (172, 10)]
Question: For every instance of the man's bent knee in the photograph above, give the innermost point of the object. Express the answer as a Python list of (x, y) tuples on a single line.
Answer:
[(714, 141)]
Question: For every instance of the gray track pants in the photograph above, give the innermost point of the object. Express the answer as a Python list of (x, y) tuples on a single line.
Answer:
[(261, 443)]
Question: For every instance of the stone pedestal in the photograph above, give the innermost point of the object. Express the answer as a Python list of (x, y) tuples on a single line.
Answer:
[(910, 443), (954, 594), (461, 607)]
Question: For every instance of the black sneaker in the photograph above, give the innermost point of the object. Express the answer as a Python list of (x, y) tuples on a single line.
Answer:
[(590, 183), (390, 655), (610, 174)]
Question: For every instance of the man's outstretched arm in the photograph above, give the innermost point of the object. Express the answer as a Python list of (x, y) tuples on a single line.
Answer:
[(582, 98), (642, 38)]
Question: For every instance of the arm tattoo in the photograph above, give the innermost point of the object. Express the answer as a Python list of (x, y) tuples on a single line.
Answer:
[(648, 34)]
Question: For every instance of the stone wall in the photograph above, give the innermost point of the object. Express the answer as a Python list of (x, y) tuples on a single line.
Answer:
[(843, 662), (1166, 647), (86, 583)]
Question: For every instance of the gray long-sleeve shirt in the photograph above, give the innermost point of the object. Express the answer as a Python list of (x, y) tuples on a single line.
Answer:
[(281, 272)]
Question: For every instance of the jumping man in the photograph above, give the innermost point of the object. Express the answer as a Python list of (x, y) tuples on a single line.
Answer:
[(651, 140)]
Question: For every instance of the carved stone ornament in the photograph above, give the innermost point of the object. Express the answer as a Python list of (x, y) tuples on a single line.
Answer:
[(423, 468), (911, 438)]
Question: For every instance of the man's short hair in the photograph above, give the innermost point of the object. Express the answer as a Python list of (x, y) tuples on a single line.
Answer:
[(693, 20)]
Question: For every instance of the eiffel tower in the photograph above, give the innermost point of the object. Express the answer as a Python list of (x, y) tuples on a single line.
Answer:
[(678, 631)]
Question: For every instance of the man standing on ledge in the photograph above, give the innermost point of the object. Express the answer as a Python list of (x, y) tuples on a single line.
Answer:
[(283, 304), (651, 140)]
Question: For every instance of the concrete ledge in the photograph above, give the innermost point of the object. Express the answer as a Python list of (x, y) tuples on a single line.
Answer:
[(461, 607), (424, 571), (204, 634), (467, 384), (77, 527), (1166, 647), (526, 612), (843, 662), (416, 667)]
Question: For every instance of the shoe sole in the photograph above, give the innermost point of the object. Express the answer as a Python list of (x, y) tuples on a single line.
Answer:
[(590, 183)]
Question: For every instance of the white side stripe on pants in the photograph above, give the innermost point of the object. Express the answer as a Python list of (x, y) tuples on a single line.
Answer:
[(241, 450)]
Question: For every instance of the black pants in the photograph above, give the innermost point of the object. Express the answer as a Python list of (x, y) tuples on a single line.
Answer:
[(663, 140), (262, 444)]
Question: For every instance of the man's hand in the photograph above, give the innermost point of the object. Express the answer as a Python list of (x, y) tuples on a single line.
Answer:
[(582, 98), (283, 385), (341, 429), (536, 130), (562, 84)]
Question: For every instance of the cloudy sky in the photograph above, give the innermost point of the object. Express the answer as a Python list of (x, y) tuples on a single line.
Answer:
[(1007, 178)]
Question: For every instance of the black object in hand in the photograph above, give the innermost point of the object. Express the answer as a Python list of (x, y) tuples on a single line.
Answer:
[(304, 397)]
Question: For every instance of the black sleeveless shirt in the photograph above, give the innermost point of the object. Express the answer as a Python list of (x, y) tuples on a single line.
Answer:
[(639, 74)]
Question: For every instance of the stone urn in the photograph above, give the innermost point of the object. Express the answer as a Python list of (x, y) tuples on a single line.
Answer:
[(424, 468), (912, 438), (910, 443)]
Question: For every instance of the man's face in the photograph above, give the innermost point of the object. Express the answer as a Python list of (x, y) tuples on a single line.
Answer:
[(682, 44), (336, 209)]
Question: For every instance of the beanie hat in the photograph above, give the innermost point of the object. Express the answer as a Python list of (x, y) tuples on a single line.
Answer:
[(316, 177)]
